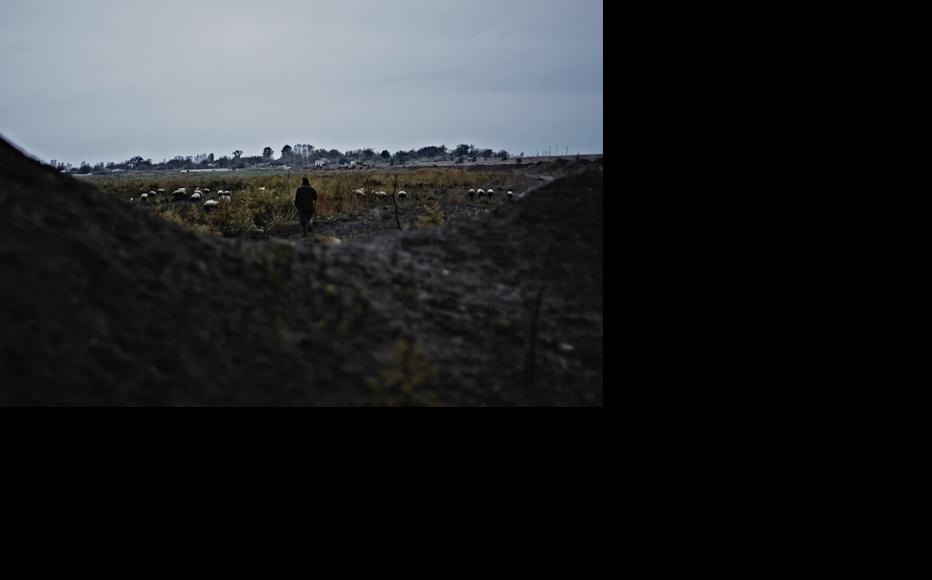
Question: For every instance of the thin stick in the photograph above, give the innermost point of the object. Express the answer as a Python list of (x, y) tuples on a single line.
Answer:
[(395, 201)]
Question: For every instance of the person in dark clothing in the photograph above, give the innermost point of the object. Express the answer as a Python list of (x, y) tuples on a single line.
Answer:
[(305, 200)]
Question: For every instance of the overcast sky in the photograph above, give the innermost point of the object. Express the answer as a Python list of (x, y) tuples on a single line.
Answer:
[(105, 80)]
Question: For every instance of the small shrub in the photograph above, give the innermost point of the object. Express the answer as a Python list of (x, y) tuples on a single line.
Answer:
[(282, 217), (434, 217), (401, 383), (231, 221)]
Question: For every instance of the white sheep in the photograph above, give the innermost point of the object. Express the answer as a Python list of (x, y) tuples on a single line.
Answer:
[(361, 191), (480, 192), (510, 195), (161, 190), (471, 192), (196, 196), (144, 196), (225, 198), (381, 193), (490, 192), (261, 189), (211, 203), (402, 194), (152, 194)]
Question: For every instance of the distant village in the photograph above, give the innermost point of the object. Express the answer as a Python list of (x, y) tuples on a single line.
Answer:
[(301, 156)]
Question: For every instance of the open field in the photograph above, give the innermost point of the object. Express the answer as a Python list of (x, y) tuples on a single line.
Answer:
[(262, 207)]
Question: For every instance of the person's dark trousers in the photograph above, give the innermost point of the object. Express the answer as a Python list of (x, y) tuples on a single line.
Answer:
[(305, 221)]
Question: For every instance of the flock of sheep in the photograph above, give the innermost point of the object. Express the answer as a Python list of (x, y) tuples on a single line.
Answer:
[(472, 193), (181, 194), (490, 193), (362, 192)]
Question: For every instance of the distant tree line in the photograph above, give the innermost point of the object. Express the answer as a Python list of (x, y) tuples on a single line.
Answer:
[(299, 155)]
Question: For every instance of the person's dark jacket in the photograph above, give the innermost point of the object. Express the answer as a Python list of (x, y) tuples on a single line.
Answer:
[(304, 199)]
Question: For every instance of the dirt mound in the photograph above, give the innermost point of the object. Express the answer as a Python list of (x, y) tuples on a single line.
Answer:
[(101, 303)]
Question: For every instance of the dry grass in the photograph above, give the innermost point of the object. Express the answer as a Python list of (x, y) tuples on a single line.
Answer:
[(267, 200)]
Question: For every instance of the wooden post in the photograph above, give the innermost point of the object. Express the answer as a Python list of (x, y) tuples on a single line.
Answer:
[(395, 201)]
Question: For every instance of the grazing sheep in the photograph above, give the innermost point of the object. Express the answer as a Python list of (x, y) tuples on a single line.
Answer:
[(196, 196), (226, 198), (472, 193), (206, 191), (490, 192), (480, 192), (402, 194), (510, 194), (261, 189), (381, 193), (144, 196), (179, 193), (161, 190), (210, 204), (152, 194), (361, 191)]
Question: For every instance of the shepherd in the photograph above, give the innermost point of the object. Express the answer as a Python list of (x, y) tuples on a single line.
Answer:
[(305, 200)]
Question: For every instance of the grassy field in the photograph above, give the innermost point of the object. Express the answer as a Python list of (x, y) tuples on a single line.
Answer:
[(265, 200)]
